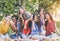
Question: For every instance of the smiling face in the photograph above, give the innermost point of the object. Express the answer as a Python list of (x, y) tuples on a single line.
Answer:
[(47, 17), (14, 20), (8, 18), (36, 18), (41, 11), (21, 11)]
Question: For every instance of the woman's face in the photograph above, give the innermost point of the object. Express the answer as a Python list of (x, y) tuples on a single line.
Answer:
[(8, 18), (14, 20), (41, 12), (21, 11), (47, 17), (35, 18)]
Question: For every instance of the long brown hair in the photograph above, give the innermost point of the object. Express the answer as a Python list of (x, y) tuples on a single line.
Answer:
[(24, 16), (19, 10), (38, 17), (20, 19), (50, 15), (46, 22), (40, 10)]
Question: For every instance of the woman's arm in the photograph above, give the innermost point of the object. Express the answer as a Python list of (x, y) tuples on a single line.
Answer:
[(14, 28), (33, 26), (57, 30)]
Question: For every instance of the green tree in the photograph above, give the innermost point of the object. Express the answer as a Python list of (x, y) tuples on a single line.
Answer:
[(9, 6)]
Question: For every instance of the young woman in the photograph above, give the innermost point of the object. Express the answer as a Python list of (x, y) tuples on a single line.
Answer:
[(42, 21), (15, 25), (35, 28), (22, 11), (20, 19), (35, 25), (26, 30), (50, 27), (4, 26)]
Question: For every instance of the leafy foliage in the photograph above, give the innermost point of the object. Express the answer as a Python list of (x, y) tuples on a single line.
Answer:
[(11, 6), (8, 6)]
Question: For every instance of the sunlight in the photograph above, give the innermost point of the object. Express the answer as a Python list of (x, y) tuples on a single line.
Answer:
[(58, 11)]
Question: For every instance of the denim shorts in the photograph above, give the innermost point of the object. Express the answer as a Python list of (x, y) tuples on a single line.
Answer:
[(4, 35), (52, 36)]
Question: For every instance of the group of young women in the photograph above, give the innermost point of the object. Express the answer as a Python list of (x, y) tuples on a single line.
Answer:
[(25, 25)]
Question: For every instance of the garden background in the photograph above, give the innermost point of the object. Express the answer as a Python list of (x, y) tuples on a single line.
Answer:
[(11, 7)]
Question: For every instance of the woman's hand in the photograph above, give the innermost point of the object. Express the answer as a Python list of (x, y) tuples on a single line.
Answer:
[(21, 16)]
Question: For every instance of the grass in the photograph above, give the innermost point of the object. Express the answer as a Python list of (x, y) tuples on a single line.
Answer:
[(58, 24)]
